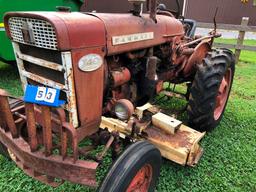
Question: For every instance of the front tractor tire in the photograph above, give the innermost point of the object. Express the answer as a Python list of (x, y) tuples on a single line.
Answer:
[(136, 169), (210, 90)]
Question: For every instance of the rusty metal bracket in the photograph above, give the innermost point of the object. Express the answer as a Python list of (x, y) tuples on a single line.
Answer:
[(7, 120), (81, 172), (40, 163), (106, 148)]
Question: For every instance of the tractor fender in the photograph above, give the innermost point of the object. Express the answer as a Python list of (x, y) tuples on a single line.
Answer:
[(197, 57)]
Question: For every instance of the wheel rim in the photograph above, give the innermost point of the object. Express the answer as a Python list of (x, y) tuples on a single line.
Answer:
[(222, 94), (141, 180)]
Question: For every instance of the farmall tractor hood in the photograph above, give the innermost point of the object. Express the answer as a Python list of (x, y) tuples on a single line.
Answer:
[(127, 32), (73, 30), (119, 32)]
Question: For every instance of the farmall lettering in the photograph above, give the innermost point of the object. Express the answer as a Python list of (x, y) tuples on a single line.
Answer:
[(100, 77), (123, 39)]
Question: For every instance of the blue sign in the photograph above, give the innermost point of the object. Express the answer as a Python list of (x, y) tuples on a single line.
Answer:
[(43, 96)]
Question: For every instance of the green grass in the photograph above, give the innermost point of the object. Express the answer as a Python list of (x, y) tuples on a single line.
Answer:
[(228, 163), (246, 56), (9, 79)]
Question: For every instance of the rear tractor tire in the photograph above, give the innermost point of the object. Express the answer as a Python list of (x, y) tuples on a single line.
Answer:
[(210, 90), (136, 169)]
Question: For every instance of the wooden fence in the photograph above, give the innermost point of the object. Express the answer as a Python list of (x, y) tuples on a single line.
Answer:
[(243, 28)]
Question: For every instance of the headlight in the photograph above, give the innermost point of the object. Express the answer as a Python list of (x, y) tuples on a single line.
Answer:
[(123, 109)]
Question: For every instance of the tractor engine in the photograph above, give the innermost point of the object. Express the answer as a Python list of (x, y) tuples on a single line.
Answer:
[(138, 75)]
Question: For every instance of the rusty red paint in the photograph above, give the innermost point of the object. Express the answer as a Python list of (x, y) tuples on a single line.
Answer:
[(2, 119), (31, 126), (121, 76), (223, 94), (63, 133), (68, 34), (127, 24), (47, 130), (7, 116), (89, 91), (196, 58)]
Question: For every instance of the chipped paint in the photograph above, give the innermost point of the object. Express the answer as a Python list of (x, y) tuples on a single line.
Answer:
[(69, 81)]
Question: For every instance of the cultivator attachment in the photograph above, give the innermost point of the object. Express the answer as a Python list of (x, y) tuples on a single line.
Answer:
[(32, 134)]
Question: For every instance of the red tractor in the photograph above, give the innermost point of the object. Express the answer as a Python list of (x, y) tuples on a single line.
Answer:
[(93, 78)]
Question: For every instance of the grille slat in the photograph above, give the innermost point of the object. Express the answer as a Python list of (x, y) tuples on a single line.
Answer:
[(43, 33)]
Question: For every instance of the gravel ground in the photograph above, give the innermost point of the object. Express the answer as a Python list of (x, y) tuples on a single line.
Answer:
[(227, 34)]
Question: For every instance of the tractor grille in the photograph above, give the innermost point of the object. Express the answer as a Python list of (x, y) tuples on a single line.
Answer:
[(50, 68), (41, 63), (42, 32)]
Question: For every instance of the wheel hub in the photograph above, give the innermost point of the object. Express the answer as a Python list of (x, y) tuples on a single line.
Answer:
[(142, 180)]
